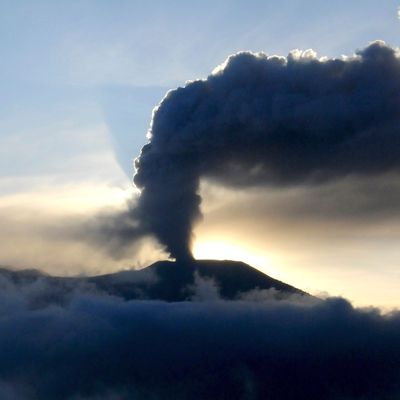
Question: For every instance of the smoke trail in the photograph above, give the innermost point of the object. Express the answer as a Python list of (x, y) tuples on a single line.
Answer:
[(267, 120)]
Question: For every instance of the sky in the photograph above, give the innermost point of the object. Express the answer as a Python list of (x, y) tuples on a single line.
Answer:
[(80, 81)]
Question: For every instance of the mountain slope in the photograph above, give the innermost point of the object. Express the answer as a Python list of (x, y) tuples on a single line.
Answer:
[(163, 280)]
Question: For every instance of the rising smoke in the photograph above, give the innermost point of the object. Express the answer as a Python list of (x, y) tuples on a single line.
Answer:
[(262, 120)]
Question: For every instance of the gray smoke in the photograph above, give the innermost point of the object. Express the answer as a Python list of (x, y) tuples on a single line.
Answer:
[(264, 120)]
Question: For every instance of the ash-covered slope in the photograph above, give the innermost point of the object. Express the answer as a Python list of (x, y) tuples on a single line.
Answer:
[(163, 280)]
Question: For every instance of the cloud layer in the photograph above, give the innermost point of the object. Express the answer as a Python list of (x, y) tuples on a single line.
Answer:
[(267, 121), (95, 346)]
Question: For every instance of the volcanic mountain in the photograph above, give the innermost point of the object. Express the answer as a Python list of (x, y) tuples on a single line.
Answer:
[(163, 280)]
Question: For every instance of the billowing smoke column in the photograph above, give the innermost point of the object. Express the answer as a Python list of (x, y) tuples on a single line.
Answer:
[(268, 120)]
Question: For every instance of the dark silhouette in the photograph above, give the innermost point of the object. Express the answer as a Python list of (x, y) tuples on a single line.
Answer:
[(164, 280), (75, 338)]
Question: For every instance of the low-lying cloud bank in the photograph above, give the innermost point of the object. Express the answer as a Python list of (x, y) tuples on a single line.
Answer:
[(101, 347)]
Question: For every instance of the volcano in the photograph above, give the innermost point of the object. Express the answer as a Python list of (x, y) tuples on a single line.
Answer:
[(163, 280), (174, 281)]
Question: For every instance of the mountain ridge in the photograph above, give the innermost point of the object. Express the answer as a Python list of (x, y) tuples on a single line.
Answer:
[(163, 280)]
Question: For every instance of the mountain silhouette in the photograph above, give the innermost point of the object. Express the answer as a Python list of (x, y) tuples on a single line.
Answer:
[(163, 280)]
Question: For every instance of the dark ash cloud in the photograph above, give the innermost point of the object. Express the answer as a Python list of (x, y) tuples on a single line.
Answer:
[(101, 347), (268, 121)]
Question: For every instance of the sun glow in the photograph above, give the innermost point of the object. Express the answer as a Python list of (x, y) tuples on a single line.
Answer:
[(230, 250)]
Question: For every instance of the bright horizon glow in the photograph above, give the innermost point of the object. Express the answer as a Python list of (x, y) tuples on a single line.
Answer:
[(217, 249), (283, 252)]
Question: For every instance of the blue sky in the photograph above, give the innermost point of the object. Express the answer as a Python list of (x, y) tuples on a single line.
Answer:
[(80, 80), (91, 63)]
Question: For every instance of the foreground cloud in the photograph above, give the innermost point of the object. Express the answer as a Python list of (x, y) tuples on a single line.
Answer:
[(267, 121), (101, 347)]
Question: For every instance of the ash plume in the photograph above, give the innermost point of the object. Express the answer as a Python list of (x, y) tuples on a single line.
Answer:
[(262, 120)]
